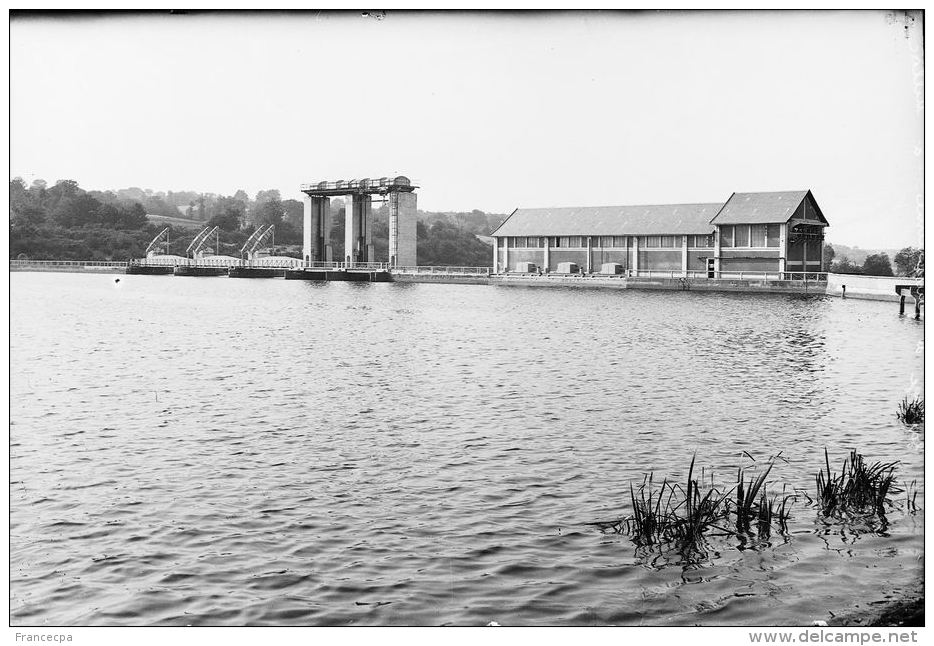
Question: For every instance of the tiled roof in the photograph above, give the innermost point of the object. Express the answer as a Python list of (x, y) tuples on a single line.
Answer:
[(760, 208), (658, 219)]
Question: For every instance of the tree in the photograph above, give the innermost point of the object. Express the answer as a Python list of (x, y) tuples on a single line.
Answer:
[(444, 243), (844, 266), (906, 260), (269, 212), (829, 254), (877, 264), (266, 196), (80, 210), (294, 212), (229, 220)]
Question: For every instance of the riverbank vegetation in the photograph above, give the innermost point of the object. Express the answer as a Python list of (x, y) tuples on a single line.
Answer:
[(860, 487), (910, 412), (67, 222), (680, 518)]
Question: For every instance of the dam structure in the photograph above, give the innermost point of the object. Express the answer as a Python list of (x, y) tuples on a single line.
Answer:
[(398, 191)]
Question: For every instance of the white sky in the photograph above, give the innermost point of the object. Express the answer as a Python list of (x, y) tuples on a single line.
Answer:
[(488, 111)]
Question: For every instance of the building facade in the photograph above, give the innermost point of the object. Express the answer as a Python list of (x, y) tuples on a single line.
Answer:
[(770, 233)]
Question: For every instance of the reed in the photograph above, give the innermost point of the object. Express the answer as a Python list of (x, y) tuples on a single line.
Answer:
[(911, 497), (755, 509), (859, 488), (672, 515), (910, 412)]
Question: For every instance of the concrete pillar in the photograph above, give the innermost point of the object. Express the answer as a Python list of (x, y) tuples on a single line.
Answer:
[(506, 255), (394, 232), (358, 234), (327, 253), (495, 254), (547, 258), (351, 233), (716, 253), (316, 229), (684, 256), (367, 226), (782, 248), (589, 254), (307, 230), (635, 255), (403, 230)]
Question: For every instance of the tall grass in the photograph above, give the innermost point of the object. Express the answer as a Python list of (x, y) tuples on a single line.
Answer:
[(673, 516), (910, 412), (859, 488), (681, 517)]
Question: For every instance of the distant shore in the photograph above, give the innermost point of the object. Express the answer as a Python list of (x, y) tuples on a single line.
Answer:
[(837, 285)]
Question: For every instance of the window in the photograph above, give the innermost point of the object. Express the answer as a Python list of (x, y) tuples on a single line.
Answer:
[(575, 241), (757, 235), (772, 234), (519, 242), (564, 241), (741, 233), (702, 242), (653, 242), (726, 236), (501, 242), (606, 241), (669, 241), (533, 242), (619, 241)]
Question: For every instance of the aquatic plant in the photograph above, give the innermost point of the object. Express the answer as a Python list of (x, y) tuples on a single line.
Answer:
[(910, 412), (911, 496), (681, 517), (859, 488), (753, 504)]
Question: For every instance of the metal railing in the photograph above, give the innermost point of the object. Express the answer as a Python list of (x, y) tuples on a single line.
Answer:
[(444, 270), (272, 263), (365, 184), (344, 266), (67, 263)]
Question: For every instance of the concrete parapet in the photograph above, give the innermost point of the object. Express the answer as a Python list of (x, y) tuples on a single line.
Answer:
[(440, 278), (877, 288), (668, 284)]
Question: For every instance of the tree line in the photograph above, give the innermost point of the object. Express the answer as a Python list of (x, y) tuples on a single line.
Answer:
[(907, 262)]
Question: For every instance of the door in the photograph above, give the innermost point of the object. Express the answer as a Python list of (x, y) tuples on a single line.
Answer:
[(711, 266)]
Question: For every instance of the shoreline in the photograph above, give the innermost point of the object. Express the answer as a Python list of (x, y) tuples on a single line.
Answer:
[(907, 611), (838, 286)]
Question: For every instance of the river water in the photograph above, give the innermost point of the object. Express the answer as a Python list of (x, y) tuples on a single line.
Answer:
[(189, 451)]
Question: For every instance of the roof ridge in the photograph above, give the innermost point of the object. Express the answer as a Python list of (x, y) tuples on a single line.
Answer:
[(619, 206)]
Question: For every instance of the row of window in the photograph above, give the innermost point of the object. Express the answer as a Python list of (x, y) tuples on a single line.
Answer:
[(604, 242), (750, 235)]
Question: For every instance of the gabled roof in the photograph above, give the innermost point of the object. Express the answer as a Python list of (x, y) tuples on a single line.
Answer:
[(762, 208), (658, 219)]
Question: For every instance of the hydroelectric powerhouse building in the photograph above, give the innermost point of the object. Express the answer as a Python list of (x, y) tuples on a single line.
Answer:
[(773, 234)]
